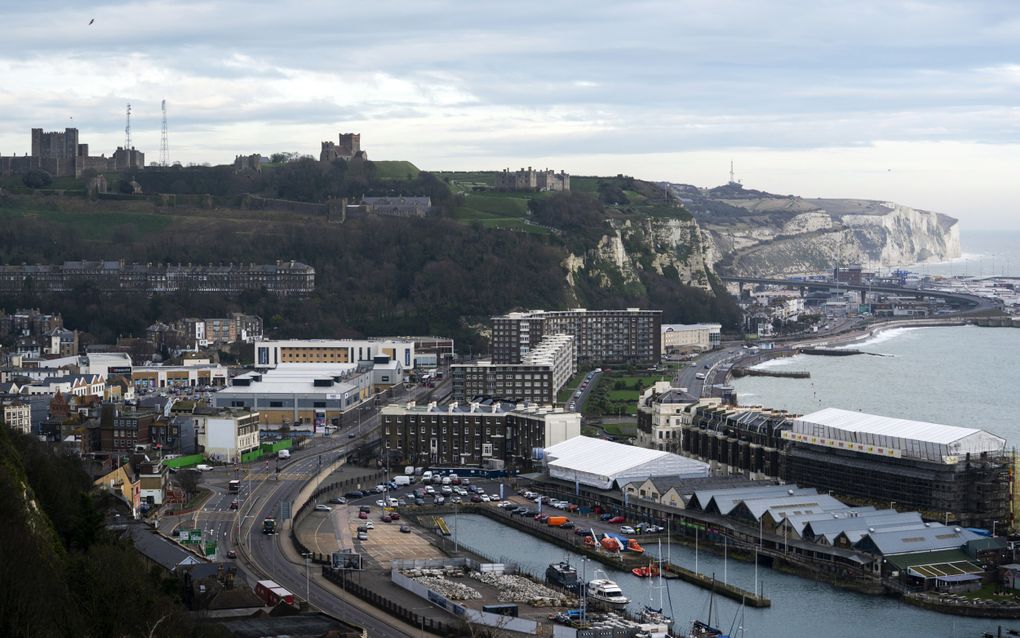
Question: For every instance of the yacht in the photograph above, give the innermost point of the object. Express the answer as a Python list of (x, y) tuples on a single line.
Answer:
[(605, 592)]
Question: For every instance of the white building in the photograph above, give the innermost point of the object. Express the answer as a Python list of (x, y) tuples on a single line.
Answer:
[(269, 354), (227, 434), (607, 465), (663, 411), (694, 337), (298, 394), (17, 415), (186, 375)]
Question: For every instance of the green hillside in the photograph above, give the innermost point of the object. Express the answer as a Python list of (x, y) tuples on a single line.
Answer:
[(396, 169)]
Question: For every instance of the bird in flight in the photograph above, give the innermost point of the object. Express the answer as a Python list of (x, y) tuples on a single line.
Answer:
[(91, 21)]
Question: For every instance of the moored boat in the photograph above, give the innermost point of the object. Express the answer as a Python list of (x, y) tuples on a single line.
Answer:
[(563, 575), (606, 593), (646, 571)]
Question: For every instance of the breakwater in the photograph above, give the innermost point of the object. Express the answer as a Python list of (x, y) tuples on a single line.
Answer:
[(782, 374)]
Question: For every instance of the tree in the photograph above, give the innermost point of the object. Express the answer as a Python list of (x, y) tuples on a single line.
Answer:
[(37, 178), (188, 480), (124, 186)]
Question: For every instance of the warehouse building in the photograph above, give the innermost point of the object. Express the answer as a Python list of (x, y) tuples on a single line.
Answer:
[(298, 394), (606, 465), (490, 434)]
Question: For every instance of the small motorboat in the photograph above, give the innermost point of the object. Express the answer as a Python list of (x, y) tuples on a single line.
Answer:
[(633, 546), (607, 593), (647, 571), (611, 544), (589, 541)]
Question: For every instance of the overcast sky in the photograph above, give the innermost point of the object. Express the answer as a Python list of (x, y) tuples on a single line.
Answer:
[(917, 102)]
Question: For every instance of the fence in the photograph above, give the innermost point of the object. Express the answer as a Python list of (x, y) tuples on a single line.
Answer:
[(522, 625), (184, 461), (432, 625)]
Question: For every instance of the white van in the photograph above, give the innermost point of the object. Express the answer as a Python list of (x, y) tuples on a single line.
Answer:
[(283, 454), (426, 476), (700, 375), (202, 467), (402, 480)]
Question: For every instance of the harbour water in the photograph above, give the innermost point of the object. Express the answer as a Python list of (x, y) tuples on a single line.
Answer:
[(965, 376), (801, 608)]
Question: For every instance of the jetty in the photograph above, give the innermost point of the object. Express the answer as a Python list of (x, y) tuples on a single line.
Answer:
[(782, 374)]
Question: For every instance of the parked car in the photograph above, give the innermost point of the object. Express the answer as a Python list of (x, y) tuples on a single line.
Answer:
[(627, 529), (475, 498), (582, 531), (362, 528), (605, 517), (541, 518), (323, 508), (567, 525), (362, 536), (405, 529), (386, 518), (233, 504), (338, 500), (395, 516), (381, 503), (419, 501), (365, 508), (354, 494), (369, 524), (616, 519)]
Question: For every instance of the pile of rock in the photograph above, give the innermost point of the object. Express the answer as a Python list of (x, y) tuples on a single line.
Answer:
[(518, 589), (438, 580)]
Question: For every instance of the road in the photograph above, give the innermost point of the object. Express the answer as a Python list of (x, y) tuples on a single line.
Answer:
[(263, 490)]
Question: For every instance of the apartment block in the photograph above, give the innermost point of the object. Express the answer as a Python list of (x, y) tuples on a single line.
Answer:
[(489, 434), (600, 336), (538, 378), (17, 415)]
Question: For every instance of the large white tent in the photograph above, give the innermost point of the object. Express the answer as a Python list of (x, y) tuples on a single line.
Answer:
[(603, 464), (914, 439)]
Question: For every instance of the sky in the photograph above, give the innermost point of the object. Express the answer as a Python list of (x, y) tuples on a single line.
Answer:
[(915, 102)]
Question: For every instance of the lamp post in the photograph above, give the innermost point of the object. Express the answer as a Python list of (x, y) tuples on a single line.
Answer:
[(308, 587)]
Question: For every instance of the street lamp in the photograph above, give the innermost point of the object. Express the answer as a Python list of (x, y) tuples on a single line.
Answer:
[(308, 587)]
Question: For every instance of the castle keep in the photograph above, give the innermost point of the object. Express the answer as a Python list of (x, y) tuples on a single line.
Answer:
[(60, 154), (349, 148)]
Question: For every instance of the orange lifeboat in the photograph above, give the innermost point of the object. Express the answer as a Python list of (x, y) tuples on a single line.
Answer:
[(589, 541), (632, 546), (645, 572), (610, 544)]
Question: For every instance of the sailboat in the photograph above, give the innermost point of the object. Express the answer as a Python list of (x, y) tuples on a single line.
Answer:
[(656, 615), (705, 629)]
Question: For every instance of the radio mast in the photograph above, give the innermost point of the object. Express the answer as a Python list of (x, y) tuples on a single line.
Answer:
[(164, 147), (127, 130)]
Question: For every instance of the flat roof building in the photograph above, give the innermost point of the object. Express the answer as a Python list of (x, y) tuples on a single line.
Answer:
[(538, 378), (611, 336), (693, 337), (269, 354), (490, 434)]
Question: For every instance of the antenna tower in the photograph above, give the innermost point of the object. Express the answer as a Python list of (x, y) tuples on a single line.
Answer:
[(164, 147), (731, 173), (127, 130)]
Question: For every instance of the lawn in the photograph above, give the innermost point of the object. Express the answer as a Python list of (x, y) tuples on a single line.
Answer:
[(98, 225), (498, 203), (470, 215), (396, 169)]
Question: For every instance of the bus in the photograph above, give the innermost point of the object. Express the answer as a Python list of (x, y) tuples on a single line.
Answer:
[(235, 486)]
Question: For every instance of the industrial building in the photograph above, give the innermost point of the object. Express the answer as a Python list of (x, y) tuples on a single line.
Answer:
[(603, 336), (538, 378), (604, 465), (269, 354), (298, 394), (490, 434), (154, 377)]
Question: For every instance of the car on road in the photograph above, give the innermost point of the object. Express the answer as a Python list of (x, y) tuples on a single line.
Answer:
[(406, 529), (354, 494), (350, 435), (362, 536), (231, 554), (395, 516), (365, 508), (369, 524), (381, 503), (627, 529), (233, 504), (379, 489), (338, 500), (386, 518), (323, 508), (362, 528), (616, 519)]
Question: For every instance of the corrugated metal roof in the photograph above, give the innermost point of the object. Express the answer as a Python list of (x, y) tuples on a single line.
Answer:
[(602, 458), (926, 539)]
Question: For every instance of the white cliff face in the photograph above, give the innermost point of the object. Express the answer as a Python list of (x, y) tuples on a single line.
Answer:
[(885, 234)]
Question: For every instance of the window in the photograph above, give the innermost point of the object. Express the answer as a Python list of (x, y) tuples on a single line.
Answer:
[(276, 404)]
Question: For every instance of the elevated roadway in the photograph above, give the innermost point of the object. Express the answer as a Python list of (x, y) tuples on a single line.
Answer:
[(974, 303)]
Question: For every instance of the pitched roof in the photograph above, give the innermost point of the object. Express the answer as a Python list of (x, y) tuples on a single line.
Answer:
[(911, 541)]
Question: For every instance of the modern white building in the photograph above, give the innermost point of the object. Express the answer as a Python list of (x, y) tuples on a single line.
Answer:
[(298, 394), (607, 465), (187, 375), (225, 435), (694, 337), (270, 354)]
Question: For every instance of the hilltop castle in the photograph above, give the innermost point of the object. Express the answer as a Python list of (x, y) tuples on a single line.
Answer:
[(532, 180), (60, 154), (349, 148)]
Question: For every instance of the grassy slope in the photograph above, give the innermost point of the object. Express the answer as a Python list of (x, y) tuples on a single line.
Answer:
[(396, 169)]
